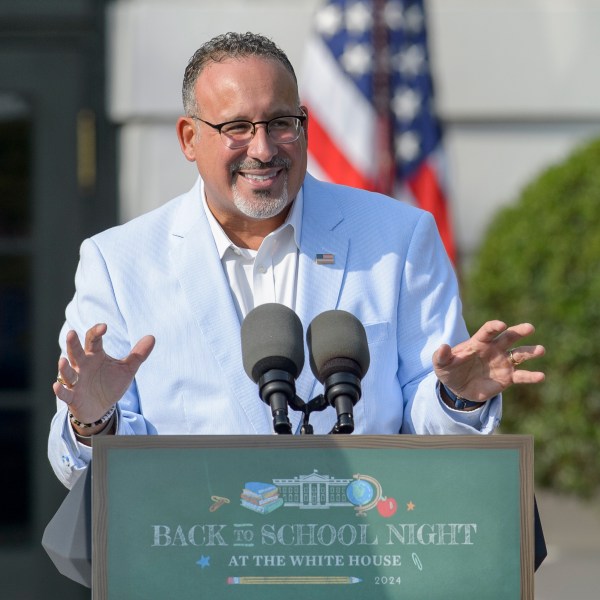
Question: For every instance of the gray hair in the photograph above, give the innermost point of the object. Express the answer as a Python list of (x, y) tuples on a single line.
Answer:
[(223, 47)]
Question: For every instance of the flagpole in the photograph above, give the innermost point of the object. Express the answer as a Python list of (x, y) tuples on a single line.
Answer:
[(382, 101)]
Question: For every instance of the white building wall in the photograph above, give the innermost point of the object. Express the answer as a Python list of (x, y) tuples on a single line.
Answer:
[(517, 86)]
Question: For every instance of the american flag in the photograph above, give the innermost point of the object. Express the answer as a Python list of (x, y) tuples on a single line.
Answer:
[(368, 89)]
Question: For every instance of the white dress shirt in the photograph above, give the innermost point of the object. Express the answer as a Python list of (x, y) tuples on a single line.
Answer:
[(269, 274)]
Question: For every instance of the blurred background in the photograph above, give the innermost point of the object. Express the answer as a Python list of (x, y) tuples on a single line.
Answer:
[(491, 102)]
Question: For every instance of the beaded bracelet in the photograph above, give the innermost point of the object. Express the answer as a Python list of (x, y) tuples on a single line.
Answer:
[(105, 431), (103, 419)]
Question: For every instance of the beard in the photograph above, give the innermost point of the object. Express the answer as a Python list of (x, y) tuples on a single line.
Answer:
[(261, 205)]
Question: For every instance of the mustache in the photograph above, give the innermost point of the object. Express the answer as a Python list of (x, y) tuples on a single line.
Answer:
[(277, 162)]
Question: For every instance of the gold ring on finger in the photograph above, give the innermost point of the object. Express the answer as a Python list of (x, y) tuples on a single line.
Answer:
[(512, 359), (65, 383)]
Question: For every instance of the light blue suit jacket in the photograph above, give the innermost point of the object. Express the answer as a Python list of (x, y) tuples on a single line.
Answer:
[(160, 274)]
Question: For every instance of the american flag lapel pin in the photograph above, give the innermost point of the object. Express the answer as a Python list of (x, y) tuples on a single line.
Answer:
[(325, 259)]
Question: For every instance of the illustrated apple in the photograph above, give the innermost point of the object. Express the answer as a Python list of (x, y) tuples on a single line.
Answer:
[(387, 507)]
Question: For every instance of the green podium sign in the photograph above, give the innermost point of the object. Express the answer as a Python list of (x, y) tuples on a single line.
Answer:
[(320, 517)]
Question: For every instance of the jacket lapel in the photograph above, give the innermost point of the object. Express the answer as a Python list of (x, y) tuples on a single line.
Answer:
[(319, 283), (200, 273)]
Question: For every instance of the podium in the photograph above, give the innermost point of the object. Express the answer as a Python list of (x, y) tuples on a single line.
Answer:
[(320, 516)]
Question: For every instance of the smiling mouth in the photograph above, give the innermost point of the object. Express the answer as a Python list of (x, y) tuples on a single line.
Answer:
[(260, 173), (260, 177)]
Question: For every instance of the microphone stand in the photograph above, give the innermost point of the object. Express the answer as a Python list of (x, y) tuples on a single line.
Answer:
[(317, 404)]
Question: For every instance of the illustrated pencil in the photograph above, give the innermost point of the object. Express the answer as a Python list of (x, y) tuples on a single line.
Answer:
[(294, 580)]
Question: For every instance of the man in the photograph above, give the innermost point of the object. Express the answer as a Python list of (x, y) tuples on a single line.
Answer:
[(257, 228)]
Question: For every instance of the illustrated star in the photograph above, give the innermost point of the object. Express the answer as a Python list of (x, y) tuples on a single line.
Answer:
[(410, 506), (203, 562)]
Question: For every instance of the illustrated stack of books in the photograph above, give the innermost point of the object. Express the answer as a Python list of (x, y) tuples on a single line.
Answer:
[(261, 497)]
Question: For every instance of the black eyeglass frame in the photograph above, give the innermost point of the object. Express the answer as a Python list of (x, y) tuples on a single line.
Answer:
[(219, 126)]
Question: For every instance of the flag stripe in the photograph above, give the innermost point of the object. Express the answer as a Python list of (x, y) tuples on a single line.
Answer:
[(425, 187), (332, 98), (332, 160)]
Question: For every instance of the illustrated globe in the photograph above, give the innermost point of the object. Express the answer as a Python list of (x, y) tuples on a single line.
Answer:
[(360, 492)]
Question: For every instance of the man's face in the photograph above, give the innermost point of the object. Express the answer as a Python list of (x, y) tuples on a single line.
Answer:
[(258, 182)]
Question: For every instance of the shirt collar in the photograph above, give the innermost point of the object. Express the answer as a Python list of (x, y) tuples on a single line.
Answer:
[(222, 241)]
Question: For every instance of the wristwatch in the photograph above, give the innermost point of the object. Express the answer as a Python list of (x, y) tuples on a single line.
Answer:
[(458, 402)]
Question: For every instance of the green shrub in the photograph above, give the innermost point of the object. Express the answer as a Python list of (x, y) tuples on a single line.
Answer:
[(540, 263)]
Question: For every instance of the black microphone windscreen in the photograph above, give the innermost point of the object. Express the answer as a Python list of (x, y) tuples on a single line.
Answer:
[(272, 338), (337, 342)]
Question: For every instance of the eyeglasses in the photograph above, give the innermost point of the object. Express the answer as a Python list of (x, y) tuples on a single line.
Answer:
[(238, 134)]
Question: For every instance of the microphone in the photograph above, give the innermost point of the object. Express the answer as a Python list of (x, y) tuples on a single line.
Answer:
[(339, 358), (273, 356)]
